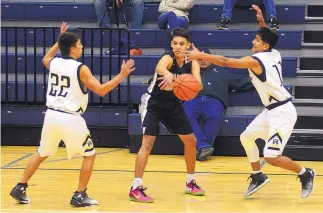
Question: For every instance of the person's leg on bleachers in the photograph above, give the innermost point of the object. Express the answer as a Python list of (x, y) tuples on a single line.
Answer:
[(167, 21), (212, 115), (182, 22), (226, 14), (137, 9), (271, 14), (102, 13), (193, 112)]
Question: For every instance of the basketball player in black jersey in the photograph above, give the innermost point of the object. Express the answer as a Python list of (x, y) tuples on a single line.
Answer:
[(159, 104)]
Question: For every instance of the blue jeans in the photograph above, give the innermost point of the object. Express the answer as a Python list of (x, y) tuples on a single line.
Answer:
[(137, 9), (169, 21), (206, 116), (228, 5)]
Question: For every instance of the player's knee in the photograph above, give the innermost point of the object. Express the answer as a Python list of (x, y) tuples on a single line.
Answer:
[(40, 157), (249, 144), (148, 142), (272, 160), (190, 140), (246, 140)]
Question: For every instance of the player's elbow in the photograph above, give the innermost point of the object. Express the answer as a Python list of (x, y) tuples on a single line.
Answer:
[(45, 62), (101, 92)]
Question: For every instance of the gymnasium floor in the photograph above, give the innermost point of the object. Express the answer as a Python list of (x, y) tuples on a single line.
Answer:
[(223, 178)]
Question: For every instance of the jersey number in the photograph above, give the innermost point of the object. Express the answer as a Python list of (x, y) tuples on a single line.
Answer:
[(279, 68), (65, 82)]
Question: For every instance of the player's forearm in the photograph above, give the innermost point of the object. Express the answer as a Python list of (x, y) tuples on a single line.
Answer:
[(217, 60), (52, 51), (162, 71), (262, 24), (110, 85)]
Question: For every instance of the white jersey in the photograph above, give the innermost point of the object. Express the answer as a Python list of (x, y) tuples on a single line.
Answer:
[(65, 90), (269, 84)]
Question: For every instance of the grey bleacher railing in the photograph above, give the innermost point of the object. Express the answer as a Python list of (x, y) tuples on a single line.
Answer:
[(31, 44)]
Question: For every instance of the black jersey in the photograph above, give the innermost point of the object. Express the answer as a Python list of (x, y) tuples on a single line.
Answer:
[(155, 91)]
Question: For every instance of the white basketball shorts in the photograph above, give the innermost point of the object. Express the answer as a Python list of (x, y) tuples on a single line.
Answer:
[(71, 129), (274, 127)]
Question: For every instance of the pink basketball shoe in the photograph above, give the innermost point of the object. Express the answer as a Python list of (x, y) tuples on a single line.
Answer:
[(138, 195), (193, 189)]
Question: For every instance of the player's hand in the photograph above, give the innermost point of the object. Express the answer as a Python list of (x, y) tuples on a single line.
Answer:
[(260, 17), (64, 27), (127, 67), (194, 54), (119, 3), (166, 81)]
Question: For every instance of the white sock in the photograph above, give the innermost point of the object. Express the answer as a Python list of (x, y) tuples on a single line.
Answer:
[(136, 182), (190, 177), (302, 171), (256, 172)]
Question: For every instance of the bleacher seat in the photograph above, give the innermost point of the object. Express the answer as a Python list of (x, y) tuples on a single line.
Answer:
[(39, 11), (12, 10), (34, 116)]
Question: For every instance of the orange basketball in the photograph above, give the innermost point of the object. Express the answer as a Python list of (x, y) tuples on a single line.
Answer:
[(186, 87)]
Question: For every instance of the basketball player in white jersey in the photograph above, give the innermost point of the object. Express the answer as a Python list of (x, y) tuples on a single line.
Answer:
[(277, 120), (67, 99)]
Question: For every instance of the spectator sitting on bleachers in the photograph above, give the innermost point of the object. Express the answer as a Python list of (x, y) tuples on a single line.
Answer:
[(174, 15), (206, 111), (227, 14), (137, 9)]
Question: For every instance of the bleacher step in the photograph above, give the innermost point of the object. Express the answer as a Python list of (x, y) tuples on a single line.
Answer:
[(309, 73), (308, 102), (312, 45), (309, 19)]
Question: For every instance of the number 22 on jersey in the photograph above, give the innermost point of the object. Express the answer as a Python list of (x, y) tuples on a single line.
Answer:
[(60, 85)]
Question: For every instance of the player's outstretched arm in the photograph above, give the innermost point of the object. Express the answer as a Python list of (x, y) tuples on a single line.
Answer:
[(245, 62), (260, 17), (102, 89), (53, 50), (240, 63)]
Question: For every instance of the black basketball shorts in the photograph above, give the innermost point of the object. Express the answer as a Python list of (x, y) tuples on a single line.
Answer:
[(170, 113)]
